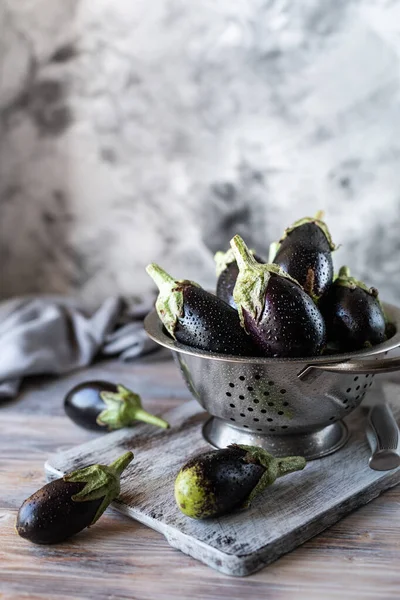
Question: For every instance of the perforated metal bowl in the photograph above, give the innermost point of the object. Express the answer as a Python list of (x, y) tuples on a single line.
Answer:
[(287, 406)]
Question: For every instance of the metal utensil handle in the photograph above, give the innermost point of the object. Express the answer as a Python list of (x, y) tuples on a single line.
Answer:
[(383, 438), (384, 365)]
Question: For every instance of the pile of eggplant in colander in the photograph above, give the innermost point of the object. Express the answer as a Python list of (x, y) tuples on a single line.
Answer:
[(291, 306)]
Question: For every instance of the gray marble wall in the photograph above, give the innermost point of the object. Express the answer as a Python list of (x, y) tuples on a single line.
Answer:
[(144, 131)]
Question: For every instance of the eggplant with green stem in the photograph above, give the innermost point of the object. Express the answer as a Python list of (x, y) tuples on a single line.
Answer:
[(227, 272), (104, 406), (353, 314), (217, 482), (305, 253), (197, 318), (67, 505), (274, 309)]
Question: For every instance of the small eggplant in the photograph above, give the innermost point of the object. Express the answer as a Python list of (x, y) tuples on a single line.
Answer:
[(217, 482), (275, 310), (305, 253), (67, 505), (102, 406), (197, 318), (353, 314), (227, 272)]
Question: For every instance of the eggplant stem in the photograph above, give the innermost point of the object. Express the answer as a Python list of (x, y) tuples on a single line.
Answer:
[(344, 272), (160, 277), (319, 215), (120, 464)]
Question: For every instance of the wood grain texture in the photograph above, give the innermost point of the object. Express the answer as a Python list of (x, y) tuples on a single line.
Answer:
[(119, 558), (290, 512)]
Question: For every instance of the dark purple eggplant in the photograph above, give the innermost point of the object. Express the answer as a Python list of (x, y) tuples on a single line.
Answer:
[(103, 406), (197, 318), (275, 310), (65, 506), (227, 272), (353, 314), (305, 253), (219, 481)]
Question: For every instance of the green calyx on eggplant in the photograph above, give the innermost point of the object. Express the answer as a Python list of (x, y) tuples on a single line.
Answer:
[(280, 317), (353, 314), (227, 272), (197, 318), (102, 406), (217, 482), (68, 505), (304, 252)]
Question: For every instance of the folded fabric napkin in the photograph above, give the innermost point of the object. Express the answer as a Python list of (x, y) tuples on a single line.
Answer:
[(54, 335)]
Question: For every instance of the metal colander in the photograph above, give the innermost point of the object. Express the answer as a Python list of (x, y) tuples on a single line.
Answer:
[(287, 406)]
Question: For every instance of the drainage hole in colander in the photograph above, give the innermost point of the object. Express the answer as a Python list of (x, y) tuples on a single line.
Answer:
[(345, 401), (332, 418), (256, 420), (228, 394), (256, 401), (270, 383), (358, 397), (246, 426), (263, 411), (266, 393), (358, 387), (232, 405), (269, 420), (250, 409), (250, 388), (272, 429), (232, 419), (242, 415), (280, 412), (257, 377), (365, 385), (259, 428), (285, 427), (370, 383), (356, 378), (346, 407), (270, 404), (241, 397), (242, 378), (231, 384), (366, 377), (285, 403), (283, 391), (348, 390)]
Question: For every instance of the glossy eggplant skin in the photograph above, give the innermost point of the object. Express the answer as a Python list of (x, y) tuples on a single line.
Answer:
[(305, 254), (209, 324), (290, 325), (227, 280), (50, 515), (220, 478), (353, 317), (83, 403)]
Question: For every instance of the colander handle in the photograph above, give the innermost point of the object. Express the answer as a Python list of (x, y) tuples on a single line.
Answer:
[(384, 365)]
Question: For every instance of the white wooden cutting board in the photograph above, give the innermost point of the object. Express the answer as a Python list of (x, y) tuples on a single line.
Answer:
[(293, 510)]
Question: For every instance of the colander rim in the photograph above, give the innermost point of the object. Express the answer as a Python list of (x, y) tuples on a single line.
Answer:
[(155, 330)]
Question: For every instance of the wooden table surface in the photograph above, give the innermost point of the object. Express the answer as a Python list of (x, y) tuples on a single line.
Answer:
[(119, 558)]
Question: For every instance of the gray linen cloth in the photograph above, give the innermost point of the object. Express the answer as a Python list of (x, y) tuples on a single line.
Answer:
[(54, 335)]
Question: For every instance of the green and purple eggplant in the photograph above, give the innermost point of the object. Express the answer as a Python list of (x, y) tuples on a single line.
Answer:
[(197, 318), (279, 316), (217, 482)]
